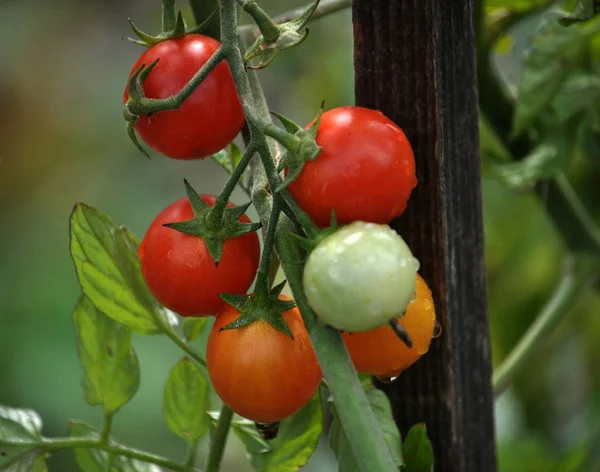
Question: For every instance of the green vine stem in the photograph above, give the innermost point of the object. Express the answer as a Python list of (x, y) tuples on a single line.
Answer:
[(356, 415), (326, 7), (263, 277), (191, 457), (106, 427), (577, 276), (56, 444), (266, 25), (218, 440)]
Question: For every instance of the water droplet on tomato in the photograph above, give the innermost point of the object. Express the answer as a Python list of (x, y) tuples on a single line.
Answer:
[(437, 330), (416, 264)]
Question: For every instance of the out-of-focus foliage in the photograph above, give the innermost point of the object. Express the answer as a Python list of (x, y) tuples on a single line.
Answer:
[(63, 68)]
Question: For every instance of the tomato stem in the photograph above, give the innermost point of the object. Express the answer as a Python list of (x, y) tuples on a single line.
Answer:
[(85, 442), (267, 26), (106, 427), (215, 215), (218, 440), (577, 276), (401, 332), (360, 424), (169, 17), (263, 287), (326, 7), (138, 105)]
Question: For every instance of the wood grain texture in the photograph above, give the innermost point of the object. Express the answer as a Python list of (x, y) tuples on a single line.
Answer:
[(415, 61)]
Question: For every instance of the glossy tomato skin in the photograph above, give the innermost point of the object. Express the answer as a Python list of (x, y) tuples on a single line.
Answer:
[(379, 352), (260, 372), (365, 170), (210, 117), (178, 268), (360, 277)]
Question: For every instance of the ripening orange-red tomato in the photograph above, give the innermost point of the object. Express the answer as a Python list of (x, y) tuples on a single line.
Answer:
[(381, 353), (259, 371)]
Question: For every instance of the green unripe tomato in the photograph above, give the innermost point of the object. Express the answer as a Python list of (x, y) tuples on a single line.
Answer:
[(360, 277)]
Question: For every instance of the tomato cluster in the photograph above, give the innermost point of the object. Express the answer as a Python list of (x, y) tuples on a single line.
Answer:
[(357, 279)]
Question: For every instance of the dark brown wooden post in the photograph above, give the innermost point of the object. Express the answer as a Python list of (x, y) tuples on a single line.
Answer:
[(415, 61)]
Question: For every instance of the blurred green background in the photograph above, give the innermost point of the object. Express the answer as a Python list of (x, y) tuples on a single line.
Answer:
[(63, 68)]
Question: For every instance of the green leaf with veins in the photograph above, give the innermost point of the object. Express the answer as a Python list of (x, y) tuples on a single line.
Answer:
[(246, 432), (108, 268), (186, 401), (193, 327), (580, 93), (381, 407), (111, 372), (20, 437), (546, 67), (296, 441)]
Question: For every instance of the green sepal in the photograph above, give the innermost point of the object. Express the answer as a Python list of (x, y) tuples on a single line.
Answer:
[(180, 30), (307, 149), (202, 224), (291, 33), (312, 241), (202, 26), (134, 138), (289, 125), (253, 309)]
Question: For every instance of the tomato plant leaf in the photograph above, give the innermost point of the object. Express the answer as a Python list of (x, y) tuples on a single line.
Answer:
[(111, 372), (193, 328), (20, 436), (383, 412), (295, 443), (546, 67), (109, 270), (338, 442), (578, 94), (590, 139), (96, 460), (186, 401), (222, 158), (418, 453), (246, 432), (584, 10)]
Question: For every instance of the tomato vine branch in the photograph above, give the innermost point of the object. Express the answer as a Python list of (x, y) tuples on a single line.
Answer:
[(217, 445), (56, 444), (326, 7), (577, 276), (356, 415)]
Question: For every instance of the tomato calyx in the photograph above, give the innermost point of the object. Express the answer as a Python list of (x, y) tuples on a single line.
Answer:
[(215, 224), (256, 307), (275, 38), (173, 26), (314, 234), (299, 143)]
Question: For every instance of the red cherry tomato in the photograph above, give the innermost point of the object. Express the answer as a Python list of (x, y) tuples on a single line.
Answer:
[(180, 272), (208, 119), (260, 372), (379, 352), (365, 170)]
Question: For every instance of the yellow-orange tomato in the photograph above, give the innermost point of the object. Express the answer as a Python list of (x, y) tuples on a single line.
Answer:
[(380, 352), (260, 372)]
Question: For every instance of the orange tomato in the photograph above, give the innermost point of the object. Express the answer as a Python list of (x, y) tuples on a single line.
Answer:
[(381, 353), (259, 371)]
